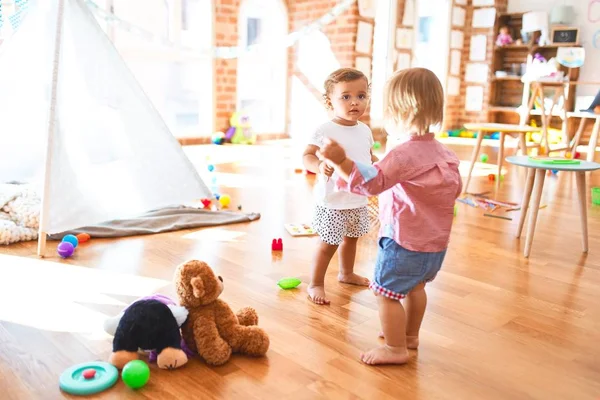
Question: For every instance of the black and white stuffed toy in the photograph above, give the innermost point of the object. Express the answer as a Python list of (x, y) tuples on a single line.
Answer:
[(152, 324)]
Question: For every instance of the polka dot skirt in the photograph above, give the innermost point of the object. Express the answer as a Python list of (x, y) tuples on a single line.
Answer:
[(332, 225)]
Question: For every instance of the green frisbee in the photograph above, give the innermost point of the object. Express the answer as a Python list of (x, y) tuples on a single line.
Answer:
[(73, 381)]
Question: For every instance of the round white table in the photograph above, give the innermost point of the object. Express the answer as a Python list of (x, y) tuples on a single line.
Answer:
[(536, 173)]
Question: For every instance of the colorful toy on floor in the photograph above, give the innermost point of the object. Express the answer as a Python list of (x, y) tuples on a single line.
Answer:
[(78, 380), (225, 200), (277, 245), (83, 237), (289, 283), (89, 373), (211, 168), (135, 374), (240, 131), (497, 216), (65, 249), (218, 138), (300, 229), (150, 323), (71, 239), (206, 203), (212, 328), (596, 196), (484, 158)]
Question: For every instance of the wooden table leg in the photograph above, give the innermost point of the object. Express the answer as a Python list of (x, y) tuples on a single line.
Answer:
[(593, 140), (523, 143), (526, 198), (500, 161), (577, 137), (538, 188), (473, 159), (582, 191)]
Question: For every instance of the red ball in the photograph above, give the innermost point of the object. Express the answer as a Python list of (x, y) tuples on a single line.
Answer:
[(89, 373)]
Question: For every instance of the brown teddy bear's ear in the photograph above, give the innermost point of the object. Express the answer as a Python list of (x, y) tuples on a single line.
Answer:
[(198, 287)]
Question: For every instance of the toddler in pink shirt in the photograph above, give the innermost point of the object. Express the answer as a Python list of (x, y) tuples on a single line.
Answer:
[(417, 182)]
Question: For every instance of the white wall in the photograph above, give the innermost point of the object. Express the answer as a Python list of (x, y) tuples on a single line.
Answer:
[(589, 36)]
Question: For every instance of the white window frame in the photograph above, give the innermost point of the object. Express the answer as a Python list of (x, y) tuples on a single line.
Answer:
[(276, 95), (383, 65)]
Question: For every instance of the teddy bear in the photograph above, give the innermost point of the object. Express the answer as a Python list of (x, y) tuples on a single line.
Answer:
[(212, 330), (152, 324)]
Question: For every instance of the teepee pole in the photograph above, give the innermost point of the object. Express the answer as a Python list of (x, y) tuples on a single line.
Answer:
[(51, 129)]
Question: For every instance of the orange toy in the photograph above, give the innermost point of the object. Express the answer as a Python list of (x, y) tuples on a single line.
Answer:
[(83, 237)]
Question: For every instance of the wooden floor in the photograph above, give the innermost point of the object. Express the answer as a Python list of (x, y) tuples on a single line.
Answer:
[(498, 326)]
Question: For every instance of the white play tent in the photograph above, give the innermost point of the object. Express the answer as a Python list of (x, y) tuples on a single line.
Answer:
[(74, 119)]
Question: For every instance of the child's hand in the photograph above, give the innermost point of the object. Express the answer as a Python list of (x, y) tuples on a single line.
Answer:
[(333, 152), (325, 168)]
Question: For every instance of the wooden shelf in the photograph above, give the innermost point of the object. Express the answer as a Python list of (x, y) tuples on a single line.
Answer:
[(512, 47), (503, 109), (507, 78), (509, 96)]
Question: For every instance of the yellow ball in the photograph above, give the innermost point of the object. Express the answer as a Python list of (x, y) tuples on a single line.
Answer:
[(225, 200)]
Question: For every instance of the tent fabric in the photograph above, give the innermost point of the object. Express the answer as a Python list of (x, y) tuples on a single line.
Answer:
[(112, 155), (163, 220)]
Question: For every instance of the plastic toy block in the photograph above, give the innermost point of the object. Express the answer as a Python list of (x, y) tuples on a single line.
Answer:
[(277, 245)]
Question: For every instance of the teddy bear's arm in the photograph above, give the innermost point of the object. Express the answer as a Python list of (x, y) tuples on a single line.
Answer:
[(211, 347)]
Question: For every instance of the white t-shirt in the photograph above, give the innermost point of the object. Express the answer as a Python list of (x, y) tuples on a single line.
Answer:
[(357, 140)]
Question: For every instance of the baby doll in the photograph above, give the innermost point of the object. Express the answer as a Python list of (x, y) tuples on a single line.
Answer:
[(504, 37)]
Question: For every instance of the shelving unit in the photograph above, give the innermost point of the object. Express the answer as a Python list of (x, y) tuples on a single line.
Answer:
[(509, 96)]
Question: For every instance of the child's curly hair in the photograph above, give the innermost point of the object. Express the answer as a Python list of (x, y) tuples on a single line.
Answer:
[(341, 75)]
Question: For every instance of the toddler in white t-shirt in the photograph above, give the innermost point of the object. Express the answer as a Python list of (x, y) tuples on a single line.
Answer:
[(340, 217)]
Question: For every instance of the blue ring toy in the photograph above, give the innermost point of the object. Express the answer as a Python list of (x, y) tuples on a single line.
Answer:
[(73, 382)]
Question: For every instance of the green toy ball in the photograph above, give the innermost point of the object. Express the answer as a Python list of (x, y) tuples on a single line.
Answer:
[(377, 145), (484, 158), (289, 283), (135, 374)]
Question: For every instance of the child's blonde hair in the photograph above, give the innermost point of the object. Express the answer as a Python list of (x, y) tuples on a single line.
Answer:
[(414, 97), (341, 75)]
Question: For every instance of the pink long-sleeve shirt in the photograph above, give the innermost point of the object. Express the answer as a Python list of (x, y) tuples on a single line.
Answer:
[(417, 183)]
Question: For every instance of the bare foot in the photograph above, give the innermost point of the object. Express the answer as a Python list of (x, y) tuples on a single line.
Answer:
[(385, 355), (412, 342), (353, 279), (171, 358), (316, 294)]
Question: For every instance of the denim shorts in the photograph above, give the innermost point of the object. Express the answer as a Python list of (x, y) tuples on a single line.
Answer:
[(398, 270)]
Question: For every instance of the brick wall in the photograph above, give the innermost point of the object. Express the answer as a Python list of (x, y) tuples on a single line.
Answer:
[(341, 33), (226, 26)]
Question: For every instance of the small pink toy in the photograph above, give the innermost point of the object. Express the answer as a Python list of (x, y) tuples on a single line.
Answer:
[(504, 37)]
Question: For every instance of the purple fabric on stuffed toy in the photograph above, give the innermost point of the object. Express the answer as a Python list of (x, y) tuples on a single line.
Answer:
[(152, 356)]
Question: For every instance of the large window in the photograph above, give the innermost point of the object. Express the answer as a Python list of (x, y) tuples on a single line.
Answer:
[(432, 45), (262, 70), (179, 83), (383, 59)]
